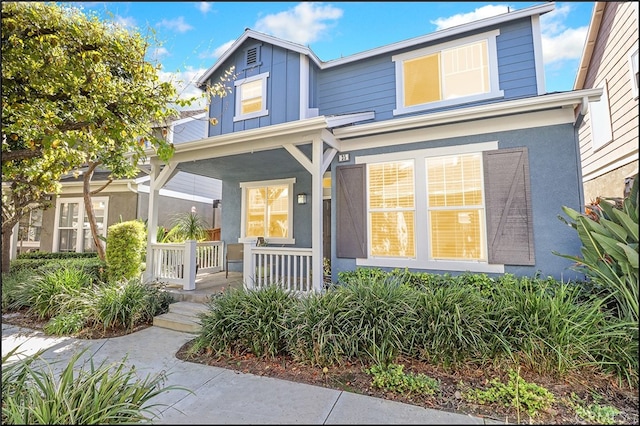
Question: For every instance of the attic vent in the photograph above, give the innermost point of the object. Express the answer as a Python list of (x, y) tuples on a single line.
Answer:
[(252, 56)]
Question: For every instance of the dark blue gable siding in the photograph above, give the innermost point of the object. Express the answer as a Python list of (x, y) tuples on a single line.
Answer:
[(283, 88)]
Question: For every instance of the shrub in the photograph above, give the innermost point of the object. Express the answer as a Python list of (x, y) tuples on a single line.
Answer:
[(57, 255), (123, 304), (609, 236), (106, 394), (247, 321), (392, 378), (547, 325), (126, 243), (376, 315), (91, 265), (12, 286), (517, 393), (454, 324), (48, 294)]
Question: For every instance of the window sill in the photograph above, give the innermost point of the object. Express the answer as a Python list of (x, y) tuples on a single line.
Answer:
[(439, 265), (456, 102)]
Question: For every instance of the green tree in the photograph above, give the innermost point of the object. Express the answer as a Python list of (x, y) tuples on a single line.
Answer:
[(76, 91)]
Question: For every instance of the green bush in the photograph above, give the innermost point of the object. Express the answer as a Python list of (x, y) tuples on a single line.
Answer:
[(90, 265), (548, 326), (392, 378), (123, 304), (609, 234), (247, 321), (517, 393), (57, 255), (126, 244), (105, 394), (47, 294), (454, 324), (12, 287)]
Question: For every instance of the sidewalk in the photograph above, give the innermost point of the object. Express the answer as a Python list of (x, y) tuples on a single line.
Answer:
[(224, 396)]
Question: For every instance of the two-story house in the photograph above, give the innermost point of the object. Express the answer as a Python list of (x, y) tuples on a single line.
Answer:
[(441, 153)]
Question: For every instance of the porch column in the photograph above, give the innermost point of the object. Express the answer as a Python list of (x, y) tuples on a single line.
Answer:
[(316, 215), (158, 178)]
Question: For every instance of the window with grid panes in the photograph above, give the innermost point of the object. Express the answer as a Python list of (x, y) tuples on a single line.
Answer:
[(456, 207), (391, 209), (267, 211)]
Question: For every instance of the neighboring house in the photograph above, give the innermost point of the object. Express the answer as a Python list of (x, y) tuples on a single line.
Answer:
[(609, 132), (440, 153), (64, 227)]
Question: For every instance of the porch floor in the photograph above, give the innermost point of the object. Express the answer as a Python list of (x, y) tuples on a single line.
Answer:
[(207, 284)]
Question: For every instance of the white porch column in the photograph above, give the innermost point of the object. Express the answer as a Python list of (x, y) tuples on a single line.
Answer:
[(189, 275), (13, 253), (158, 178), (247, 267), (316, 215)]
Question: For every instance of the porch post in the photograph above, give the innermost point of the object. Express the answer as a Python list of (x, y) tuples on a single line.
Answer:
[(247, 267), (316, 215), (189, 276), (152, 219)]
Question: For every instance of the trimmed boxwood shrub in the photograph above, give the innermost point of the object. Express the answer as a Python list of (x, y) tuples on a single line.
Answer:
[(57, 255), (126, 243)]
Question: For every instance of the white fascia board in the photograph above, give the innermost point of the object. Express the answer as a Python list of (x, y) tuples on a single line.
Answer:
[(589, 45), (517, 106)]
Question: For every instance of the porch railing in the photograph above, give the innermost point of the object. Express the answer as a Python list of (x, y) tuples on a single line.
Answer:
[(289, 268), (178, 263)]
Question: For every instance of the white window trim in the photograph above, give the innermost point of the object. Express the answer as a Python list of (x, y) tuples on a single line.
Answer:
[(494, 91), (633, 66), (243, 210), (421, 259), (264, 111), (600, 120), (81, 214)]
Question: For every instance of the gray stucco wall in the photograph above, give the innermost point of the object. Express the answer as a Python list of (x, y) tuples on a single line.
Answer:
[(554, 177)]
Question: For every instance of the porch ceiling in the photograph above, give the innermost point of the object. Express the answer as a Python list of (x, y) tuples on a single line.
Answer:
[(260, 165)]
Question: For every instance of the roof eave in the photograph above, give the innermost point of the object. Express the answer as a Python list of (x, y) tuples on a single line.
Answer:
[(589, 45)]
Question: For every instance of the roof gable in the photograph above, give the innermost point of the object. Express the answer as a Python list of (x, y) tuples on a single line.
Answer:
[(448, 32)]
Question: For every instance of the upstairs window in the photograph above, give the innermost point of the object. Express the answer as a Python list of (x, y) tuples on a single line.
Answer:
[(267, 208), (251, 97), (456, 72), (635, 73)]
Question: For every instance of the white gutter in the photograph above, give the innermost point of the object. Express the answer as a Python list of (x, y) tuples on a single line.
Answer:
[(518, 106)]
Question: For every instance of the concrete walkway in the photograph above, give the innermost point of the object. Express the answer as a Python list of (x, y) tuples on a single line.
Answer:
[(222, 396)]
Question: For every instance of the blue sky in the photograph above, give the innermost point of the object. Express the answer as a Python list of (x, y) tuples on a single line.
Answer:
[(194, 34)]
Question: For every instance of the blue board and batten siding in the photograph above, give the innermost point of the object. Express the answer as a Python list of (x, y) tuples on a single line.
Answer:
[(283, 89), (370, 84)]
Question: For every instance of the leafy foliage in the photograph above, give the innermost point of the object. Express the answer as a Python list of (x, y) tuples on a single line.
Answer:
[(393, 378), (186, 226), (32, 393), (517, 393), (75, 90), (126, 244), (609, 235)]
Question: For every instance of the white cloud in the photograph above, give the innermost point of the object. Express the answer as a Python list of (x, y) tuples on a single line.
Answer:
[(560, 43), (204, 6), (184, 82), (218, 51), (304, 24), (463, 18), (126, 22), (177, 24), (159, 53)]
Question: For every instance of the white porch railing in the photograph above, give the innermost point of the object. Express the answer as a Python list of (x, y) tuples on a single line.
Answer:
[(178, 263), (288, 267)]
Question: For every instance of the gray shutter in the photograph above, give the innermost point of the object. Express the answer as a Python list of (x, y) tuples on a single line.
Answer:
[(508, 207), (351, 238)]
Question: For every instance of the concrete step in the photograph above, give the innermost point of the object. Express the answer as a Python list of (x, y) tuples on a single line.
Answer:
[(182, 316), (193, 297)]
